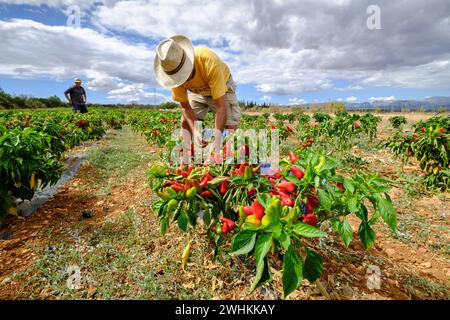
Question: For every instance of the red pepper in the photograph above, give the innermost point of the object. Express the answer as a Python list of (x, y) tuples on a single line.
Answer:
[(310, 140), (308, 209), (286, 186), (236, 172), (177, 187), (312, 200), (182, 173), (206, 194), (248, 210), (167, 183), (356, 124), (258, 210), (224, 187), (293, 156), (168, 171), (286, 200), (422, 130), (230, 223), (297, 172), (442, 131), (205, 180), (251, 192), (242, 168), (415, 136), (310, 219), (341, 187), (225, 228), (213, 228)]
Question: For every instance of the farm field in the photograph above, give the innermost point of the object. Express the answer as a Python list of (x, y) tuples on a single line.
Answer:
[(356, 192)]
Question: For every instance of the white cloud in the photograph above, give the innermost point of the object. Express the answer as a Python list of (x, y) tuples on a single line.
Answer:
[(350, 88), (62, 52), (266, 98), (136, 92), (384, 99), (339, 99), (351, 99), (296, 101)]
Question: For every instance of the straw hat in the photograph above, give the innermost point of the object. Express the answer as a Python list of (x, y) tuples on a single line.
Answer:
[(174, 61)]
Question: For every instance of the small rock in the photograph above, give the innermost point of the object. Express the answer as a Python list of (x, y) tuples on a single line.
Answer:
[(92, 290), (390, 252), (426, 265), (347, 292), (5, 281), (86, 214), (6, 235)]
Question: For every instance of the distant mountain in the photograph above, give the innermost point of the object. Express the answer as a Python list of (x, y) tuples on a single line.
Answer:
[(431, 103)]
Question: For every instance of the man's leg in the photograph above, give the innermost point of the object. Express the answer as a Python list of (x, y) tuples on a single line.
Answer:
[(75, 108), (83, 108)]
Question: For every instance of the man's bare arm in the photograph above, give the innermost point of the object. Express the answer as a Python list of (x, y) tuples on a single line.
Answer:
[(68, 97), (221, 120), (188, 117), (221, 113)]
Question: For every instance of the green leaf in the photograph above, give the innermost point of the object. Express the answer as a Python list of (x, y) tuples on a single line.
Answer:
[(164, 224), (366, 234), (352, 204), (349, 185), (284, 239), (325, 200), (183, 221), (243, 242), (292, 271), (293, 179), (263, 245), (263, 275), (346, 232), (172, 193), (305, 230), (312, 268), (264, 199), (387, 212)]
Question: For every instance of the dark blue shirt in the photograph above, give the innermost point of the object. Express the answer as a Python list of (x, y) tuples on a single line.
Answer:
[(76, 94)]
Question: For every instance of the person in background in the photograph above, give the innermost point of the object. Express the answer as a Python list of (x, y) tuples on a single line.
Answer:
[(76, 96)]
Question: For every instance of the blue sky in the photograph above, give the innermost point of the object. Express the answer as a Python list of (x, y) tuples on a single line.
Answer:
[(323, 52)]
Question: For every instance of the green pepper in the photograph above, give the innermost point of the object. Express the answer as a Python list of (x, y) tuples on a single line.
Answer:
[(247, 173), (190, 194), (163, 195), (172, 205)]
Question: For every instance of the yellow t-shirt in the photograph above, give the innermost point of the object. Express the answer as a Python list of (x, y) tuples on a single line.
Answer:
[(210, 79)]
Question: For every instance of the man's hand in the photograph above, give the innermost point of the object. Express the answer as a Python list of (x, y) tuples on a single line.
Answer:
[(69, 101)]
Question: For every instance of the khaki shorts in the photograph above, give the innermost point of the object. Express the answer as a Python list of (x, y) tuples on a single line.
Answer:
[(202, 105)]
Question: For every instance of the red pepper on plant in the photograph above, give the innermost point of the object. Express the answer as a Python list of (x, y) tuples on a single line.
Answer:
[(310, 219), (286, 186), (206, 194), (297, 172), (293, 156), (258, 209)]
